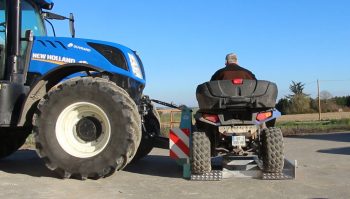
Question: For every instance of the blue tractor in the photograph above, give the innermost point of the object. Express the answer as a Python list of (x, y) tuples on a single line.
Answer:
[(81, 98)]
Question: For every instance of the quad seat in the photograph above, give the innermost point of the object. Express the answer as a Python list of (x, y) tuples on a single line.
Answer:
[(241, 94)]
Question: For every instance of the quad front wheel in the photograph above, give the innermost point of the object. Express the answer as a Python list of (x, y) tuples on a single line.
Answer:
[(272, 150), (200, 153)]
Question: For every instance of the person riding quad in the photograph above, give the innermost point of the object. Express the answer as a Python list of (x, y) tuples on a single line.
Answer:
[(232, 70)]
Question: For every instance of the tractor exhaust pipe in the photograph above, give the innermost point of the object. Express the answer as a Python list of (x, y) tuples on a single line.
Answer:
[(13, 36)]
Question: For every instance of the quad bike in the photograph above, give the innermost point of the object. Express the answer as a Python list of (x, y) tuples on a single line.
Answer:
[(237, 117)]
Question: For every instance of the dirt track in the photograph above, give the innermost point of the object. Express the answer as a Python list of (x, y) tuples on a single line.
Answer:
[(323, 172)]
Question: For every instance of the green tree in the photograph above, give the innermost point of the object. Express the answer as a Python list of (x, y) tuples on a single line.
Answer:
[(328, 103), (341, 101), (299, 102), (283, 106), (314, 105), (297, 88)]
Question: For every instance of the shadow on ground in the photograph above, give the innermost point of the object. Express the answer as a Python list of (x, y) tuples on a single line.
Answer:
[(156, 165), (337, 137), (339, 151), (25, 162)]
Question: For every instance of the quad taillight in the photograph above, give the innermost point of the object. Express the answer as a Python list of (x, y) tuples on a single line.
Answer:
[(237, 81), (264, 115), (211, 118)]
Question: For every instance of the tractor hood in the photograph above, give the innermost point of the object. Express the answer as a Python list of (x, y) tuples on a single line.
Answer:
[(51, 52)]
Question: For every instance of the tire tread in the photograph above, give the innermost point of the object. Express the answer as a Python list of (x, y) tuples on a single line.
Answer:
[(130, 111), (200, 153), (272, 150)]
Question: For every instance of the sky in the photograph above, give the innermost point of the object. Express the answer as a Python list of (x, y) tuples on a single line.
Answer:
[(183, 42)]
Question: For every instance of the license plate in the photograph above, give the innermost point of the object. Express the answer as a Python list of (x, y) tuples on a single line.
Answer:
[(238, 140)]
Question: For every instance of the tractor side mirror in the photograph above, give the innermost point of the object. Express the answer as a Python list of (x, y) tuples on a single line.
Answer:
[(71, 24), (49, 15)]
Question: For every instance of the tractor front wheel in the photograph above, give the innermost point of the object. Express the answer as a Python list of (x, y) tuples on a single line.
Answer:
[(87, 127)]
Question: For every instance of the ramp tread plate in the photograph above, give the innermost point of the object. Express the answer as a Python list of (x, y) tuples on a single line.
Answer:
[(215, 175), (276, 176)]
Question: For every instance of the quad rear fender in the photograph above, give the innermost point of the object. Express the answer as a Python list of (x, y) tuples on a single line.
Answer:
[(272, 115), (46, 82)]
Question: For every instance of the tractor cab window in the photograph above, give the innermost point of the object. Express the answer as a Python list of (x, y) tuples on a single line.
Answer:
[(2, 38), (31, 20)]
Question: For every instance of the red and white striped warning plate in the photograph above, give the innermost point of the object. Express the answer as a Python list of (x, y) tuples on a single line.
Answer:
[(179, 143)]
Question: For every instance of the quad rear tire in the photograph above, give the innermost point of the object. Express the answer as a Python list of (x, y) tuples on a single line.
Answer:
[(87, 128), (200, 153), (11, 139), (151, 131), (272, 150)]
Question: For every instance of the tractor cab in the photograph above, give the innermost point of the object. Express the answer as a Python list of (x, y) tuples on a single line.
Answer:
[(31, 19)]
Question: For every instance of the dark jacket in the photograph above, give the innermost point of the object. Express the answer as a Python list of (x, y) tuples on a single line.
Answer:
[(232, 71)]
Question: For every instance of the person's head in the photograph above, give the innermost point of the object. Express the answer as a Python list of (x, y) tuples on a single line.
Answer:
[(231, 59)]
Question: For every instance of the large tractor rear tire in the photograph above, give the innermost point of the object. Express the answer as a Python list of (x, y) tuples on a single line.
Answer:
[(11, 139), (272, 150), (200, 153), (151, 131), (87, 128)]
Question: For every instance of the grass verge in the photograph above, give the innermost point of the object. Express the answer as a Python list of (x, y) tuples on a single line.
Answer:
[(308, 127)]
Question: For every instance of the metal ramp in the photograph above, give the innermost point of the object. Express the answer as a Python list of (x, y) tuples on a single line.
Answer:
[(244, 167)]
